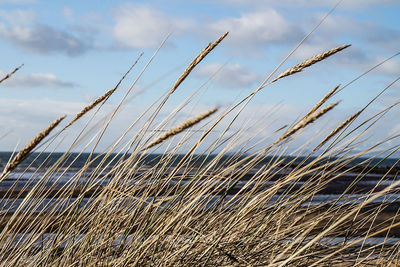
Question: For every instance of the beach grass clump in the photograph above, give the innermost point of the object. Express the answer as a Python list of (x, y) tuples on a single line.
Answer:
[(240, 200)]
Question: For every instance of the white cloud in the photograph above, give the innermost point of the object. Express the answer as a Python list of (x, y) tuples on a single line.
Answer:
[(19, 27), (371, 43), (139, 26), (372, 34), (230, 76), (258, 28), (46, 80), (43, 39), (26, 117)]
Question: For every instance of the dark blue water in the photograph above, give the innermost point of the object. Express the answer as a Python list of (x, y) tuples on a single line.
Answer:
[(78, 160)]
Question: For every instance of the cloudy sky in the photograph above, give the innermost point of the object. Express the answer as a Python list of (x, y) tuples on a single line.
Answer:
[(73, 51)]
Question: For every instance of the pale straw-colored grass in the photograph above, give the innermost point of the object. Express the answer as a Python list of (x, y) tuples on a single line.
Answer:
[(101, 98), (11, 73), (306, 121), (242, 201), (309, 62), (181, 127), (339, 128), (322, 101), (197, 60), (21, 155)]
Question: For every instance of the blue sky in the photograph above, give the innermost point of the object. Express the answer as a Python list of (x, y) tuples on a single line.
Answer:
[(75, 50)]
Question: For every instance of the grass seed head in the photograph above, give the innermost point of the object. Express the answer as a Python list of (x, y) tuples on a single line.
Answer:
[(11, 73), (306, 120), (181, 127), (197, 60), (101, 98), (29, 147), (309, 62)]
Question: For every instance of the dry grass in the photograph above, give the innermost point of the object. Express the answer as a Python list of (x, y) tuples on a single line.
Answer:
[(309, 62), (197, 60), (21, 155), (309, 118), (11, 73), (181, 127), (101, 98), (241, 201)]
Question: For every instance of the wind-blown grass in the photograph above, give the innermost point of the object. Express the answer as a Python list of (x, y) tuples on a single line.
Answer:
[(240, 201)]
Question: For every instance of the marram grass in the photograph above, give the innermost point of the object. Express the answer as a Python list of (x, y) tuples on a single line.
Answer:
[(21, 155), (238, 202)]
